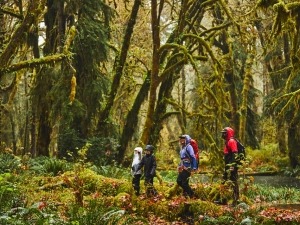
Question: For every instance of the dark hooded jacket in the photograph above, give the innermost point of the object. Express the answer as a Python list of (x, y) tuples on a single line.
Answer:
[(149, 163), (230, 148)]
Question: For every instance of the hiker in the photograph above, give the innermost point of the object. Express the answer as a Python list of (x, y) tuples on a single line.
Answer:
[(186, 166), (137, 157), (148, 162), (231, 167)]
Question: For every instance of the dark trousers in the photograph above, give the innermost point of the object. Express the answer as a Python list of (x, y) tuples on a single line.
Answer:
[(136, 183), (150, 190), (183, 182), (232, 175)]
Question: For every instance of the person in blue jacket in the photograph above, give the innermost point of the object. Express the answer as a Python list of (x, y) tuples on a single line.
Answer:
[(187, 164)]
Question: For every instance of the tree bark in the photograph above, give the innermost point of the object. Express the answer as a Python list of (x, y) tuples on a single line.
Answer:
[(294, 145), (119, 66), (132, 118), (155, 24)]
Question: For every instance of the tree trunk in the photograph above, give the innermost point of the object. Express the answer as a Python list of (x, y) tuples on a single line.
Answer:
[(294, 145), (44, 132), (53, 22), (149, 123), (132, 118), (160, 115), (118, 67)]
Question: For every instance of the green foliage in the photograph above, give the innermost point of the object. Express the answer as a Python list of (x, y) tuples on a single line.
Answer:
[(268, 158), (113, 171), (37, 214), (169, 176), (99, 151), (105, 200), (292, 172), (45, 165), (9, 163), (97, 212), (69, 142), (102, 151), (266, 193), (9, 196)]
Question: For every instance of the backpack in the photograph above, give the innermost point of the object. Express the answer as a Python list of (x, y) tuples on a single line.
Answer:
[(241, 152), (195, 147)]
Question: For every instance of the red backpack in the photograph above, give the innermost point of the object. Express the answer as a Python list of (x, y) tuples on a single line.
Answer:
[(194, 144)]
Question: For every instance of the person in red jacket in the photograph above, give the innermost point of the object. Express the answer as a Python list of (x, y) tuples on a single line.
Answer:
[(231, 167)]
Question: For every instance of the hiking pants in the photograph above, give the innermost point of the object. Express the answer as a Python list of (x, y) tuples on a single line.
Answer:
[(232, 175), (136, 183), (183, 182), (150, 190)]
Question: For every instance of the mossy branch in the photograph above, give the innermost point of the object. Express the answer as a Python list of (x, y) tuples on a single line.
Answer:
[(33, 63), (291, 96), (216, 28), (47, 59), (171, 68), (293, 6), (35, 9), (205, 44), (11, 12)]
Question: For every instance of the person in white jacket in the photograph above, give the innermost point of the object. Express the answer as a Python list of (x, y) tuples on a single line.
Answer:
[(137, 157)]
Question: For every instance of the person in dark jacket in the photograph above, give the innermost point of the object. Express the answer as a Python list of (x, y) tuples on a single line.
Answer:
[(231, 168), (148, 162), (187, 164)]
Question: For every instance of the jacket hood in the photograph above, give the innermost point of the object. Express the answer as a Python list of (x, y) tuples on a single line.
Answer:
[(186, 137), (229, 132), (139, 149)]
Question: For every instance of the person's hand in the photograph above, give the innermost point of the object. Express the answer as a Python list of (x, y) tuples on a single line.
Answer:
[(180, 169)]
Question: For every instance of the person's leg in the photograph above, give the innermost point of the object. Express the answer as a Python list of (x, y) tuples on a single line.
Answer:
[(136, 183), (221, 200), (150, 190), (183, 182), (234, 179)]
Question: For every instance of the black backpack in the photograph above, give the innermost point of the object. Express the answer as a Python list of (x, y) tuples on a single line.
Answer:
[(241, 157)]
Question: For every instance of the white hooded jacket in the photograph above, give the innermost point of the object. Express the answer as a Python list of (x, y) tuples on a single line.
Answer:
[(136, 160)]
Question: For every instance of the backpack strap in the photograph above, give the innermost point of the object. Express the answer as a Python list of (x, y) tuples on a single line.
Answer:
[(193, 163), (187, 152)]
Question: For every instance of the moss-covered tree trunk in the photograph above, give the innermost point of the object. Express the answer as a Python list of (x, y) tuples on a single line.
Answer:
[(294, 145), (118, 69), (45, 80), (154, 81), (133, 118), (227, 51)]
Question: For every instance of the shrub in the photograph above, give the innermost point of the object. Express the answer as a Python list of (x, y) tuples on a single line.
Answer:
[(9, 163)]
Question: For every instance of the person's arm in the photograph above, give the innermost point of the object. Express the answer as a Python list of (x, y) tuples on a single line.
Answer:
[(153, 169), (141, 164)]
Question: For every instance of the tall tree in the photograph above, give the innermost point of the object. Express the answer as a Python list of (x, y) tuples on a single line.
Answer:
[(118, 68), (284, 62)]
